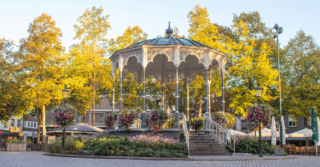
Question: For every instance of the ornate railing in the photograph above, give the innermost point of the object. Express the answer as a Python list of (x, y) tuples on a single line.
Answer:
[(219, 132), (185, 130)]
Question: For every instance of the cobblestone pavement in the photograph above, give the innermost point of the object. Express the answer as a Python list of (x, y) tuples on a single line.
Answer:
[(37, 159)]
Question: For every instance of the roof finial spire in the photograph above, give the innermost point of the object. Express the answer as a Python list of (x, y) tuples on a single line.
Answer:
[(169, 31)]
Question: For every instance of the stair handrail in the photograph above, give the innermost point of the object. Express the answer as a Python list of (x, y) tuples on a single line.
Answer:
[(216, 130), (185, 131)]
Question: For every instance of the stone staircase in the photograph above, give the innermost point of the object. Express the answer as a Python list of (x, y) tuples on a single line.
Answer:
[(201, 143)]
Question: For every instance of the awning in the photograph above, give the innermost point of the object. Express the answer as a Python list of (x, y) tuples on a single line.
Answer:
[(302, 133), (265, 132)]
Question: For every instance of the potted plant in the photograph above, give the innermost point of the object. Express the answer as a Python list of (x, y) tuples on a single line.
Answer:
[(278, 151), (197, 123), (157, 119), (127, 118), (110, 119)]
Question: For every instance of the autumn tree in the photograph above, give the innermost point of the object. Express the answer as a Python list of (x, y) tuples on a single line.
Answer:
[(91, 30), (41, 60), (13, 101), (129, 37), (245, 67), (301, 71)]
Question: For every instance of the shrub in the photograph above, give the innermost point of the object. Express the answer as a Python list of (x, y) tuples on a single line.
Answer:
[(110, 119), (258, 115), (127, 118), (157, 119), (197, 121), (18, 141), (72, 144), (251, 145), (231, 120)]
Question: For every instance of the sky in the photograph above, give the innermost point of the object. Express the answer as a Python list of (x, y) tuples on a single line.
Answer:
[(153, 16)]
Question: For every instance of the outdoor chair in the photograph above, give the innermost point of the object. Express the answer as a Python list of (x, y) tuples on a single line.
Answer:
[(278, 146), (292, 149), (37, 147), (303, 150), (298, 151), (313, 150), (318, 151), (44, 147), (33, 147), (309, 150)]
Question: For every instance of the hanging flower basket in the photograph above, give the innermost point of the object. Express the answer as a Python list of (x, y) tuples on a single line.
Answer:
[(220, 118), (110, 119), (258, 115), (64, 115), (127, 118), (197, 123)]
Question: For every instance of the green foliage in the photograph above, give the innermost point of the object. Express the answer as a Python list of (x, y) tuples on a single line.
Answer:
[(18, 141), (251, 145), (72, 145)]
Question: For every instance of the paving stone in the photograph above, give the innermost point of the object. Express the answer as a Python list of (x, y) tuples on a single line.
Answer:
[(32, 159)]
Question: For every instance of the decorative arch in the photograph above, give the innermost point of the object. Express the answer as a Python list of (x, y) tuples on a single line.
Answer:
[(138, 55), (199, 55), (152, 54), (115, 64)]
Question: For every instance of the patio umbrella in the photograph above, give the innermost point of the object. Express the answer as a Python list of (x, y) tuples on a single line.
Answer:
[(273, 131), (283, 131), (314, 127)]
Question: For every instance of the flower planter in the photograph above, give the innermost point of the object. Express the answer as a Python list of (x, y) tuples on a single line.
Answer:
[(279, 151), (16, 146)]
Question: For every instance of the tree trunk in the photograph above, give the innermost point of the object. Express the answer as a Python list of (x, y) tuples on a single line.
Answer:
[(200, 110), (44, 130), (84, 117), (94, 85), (39, 123), (305, 122)]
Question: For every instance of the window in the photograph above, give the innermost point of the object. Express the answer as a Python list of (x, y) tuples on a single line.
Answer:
[(243, 125), (309, 121), (35, 125), (12, 122), (18, 122), (110, 103), (101, 118), (28, 124), (78, 119), (292, 121), (31, 125)]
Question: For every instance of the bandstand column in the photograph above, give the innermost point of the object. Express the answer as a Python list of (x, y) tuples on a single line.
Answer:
[(209, 93), (139, 94), (207, 102), (120, 99), (113, 78), (223, 88), (143, 114), (177, 101), (162, 96), (188, 78)]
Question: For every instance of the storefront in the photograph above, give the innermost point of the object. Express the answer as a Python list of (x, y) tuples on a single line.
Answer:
[(5, 137)]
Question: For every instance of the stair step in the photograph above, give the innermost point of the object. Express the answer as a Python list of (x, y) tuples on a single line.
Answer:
[(208, 150), (201, 137)]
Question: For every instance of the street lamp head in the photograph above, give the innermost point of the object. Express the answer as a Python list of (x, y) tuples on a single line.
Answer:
[(280, 30), (276, 27), (65, 92), (258, 90), (275, 35)]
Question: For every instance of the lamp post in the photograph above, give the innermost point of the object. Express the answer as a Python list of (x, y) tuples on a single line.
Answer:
[(65, 93), (259, 90), (279, 30)]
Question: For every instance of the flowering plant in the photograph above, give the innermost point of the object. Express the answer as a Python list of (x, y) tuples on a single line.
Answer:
[(127, 118), (110, 119), (258, 115), (231, 120), (197, 121), (220, 118), (157, 119), (64, 115)]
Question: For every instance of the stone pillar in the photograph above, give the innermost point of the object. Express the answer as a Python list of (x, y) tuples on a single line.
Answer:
[(177, 126), (143, 114), (120, 99), (207, 103)]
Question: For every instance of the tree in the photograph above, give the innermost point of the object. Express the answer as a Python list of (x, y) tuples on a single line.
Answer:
[(92, 30), (246, 66), (129, 37), (198, 91), (41, 61), (12, 99), (301, 71)]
